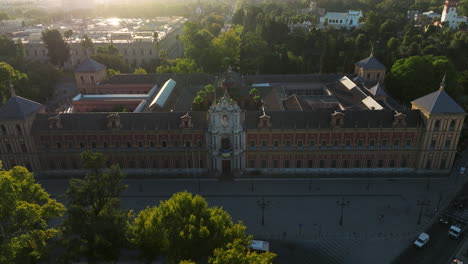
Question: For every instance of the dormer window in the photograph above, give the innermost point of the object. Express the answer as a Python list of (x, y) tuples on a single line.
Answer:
[(186, 121), (399, 120), (113, 121), (54, 122), (452, 125), (337, 119)]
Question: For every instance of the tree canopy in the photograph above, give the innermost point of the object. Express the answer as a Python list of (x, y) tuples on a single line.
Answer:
[(109, 56), (95, 226), (25, 209), (57, 49), (184, 228)]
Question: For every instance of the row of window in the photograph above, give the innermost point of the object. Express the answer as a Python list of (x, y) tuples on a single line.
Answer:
[(450, 128), (447, 144), (140, 144), (336, 143), (134, 164), (263, 164), (4, 130)]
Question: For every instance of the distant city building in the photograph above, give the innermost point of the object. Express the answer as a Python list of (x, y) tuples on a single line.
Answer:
[(343, 20), (302, 124), (450, 14), (70, 5)]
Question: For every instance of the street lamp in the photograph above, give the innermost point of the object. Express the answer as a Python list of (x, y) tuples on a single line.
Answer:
[(263, 204), (342, 204), (422, 204)]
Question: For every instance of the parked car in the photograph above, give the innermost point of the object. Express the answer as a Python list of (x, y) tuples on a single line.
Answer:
[(422, 240), (456, 230)]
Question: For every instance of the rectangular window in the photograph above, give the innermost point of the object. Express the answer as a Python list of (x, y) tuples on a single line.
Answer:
[(311, 144), (177, 164), (392, 163), (264, 164), (384, 144), (443, 164), (408, 144), (322, 164), (275, 143), (176, 144), (286, 164), (447, 143), (59, 145), (275, 164), (251, 163), (264, 143), (381, 163), (428, 164), (140, 144), (348, 143), (201, 163), (288, 143), (333, 164), (93, 145), (188, 144), (396, 142), (299, 144), (298, 163), (252, 144), (117, 145), (371, 143), (345, 164), (357, 164), (164, 144), (310, 163), (359, 144), (404, 163), (105, 145), (82, 145), (23, 148), (369, 163), (152, 144), (166, 164), (433, 144), (129, 145)]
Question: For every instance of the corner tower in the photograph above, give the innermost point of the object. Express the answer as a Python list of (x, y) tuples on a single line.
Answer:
[(370, 69), (443, 124), (88, 75)]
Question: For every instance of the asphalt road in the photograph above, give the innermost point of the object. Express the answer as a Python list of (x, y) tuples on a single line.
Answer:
[(440, 248)]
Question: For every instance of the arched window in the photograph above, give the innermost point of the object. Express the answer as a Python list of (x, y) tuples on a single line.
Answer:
[(437, 125)]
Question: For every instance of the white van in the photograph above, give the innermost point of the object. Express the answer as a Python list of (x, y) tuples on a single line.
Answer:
[(259, 245)]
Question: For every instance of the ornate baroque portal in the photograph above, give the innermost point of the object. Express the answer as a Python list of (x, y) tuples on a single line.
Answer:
[(226, 137)]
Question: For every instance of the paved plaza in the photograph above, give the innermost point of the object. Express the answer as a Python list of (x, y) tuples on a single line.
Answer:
[(302, 217)]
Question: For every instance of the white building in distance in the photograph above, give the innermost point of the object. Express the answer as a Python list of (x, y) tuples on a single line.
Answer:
[(343, 20), (450, 14)]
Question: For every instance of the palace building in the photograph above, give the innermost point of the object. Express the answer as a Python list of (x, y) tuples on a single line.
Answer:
[(260, 124)]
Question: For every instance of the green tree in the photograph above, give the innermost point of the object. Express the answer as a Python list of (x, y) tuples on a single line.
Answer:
[(68, 34), (25, 209), (10, 51), (109, 56), (227, 47), (87, 44), (112, 72), (253, 52), (140, 71), (57, 49), (184, 228), (237, 252), (4, 16), (42, 80), (180, 65), (416, 76), (8, 75), (95, 226)]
